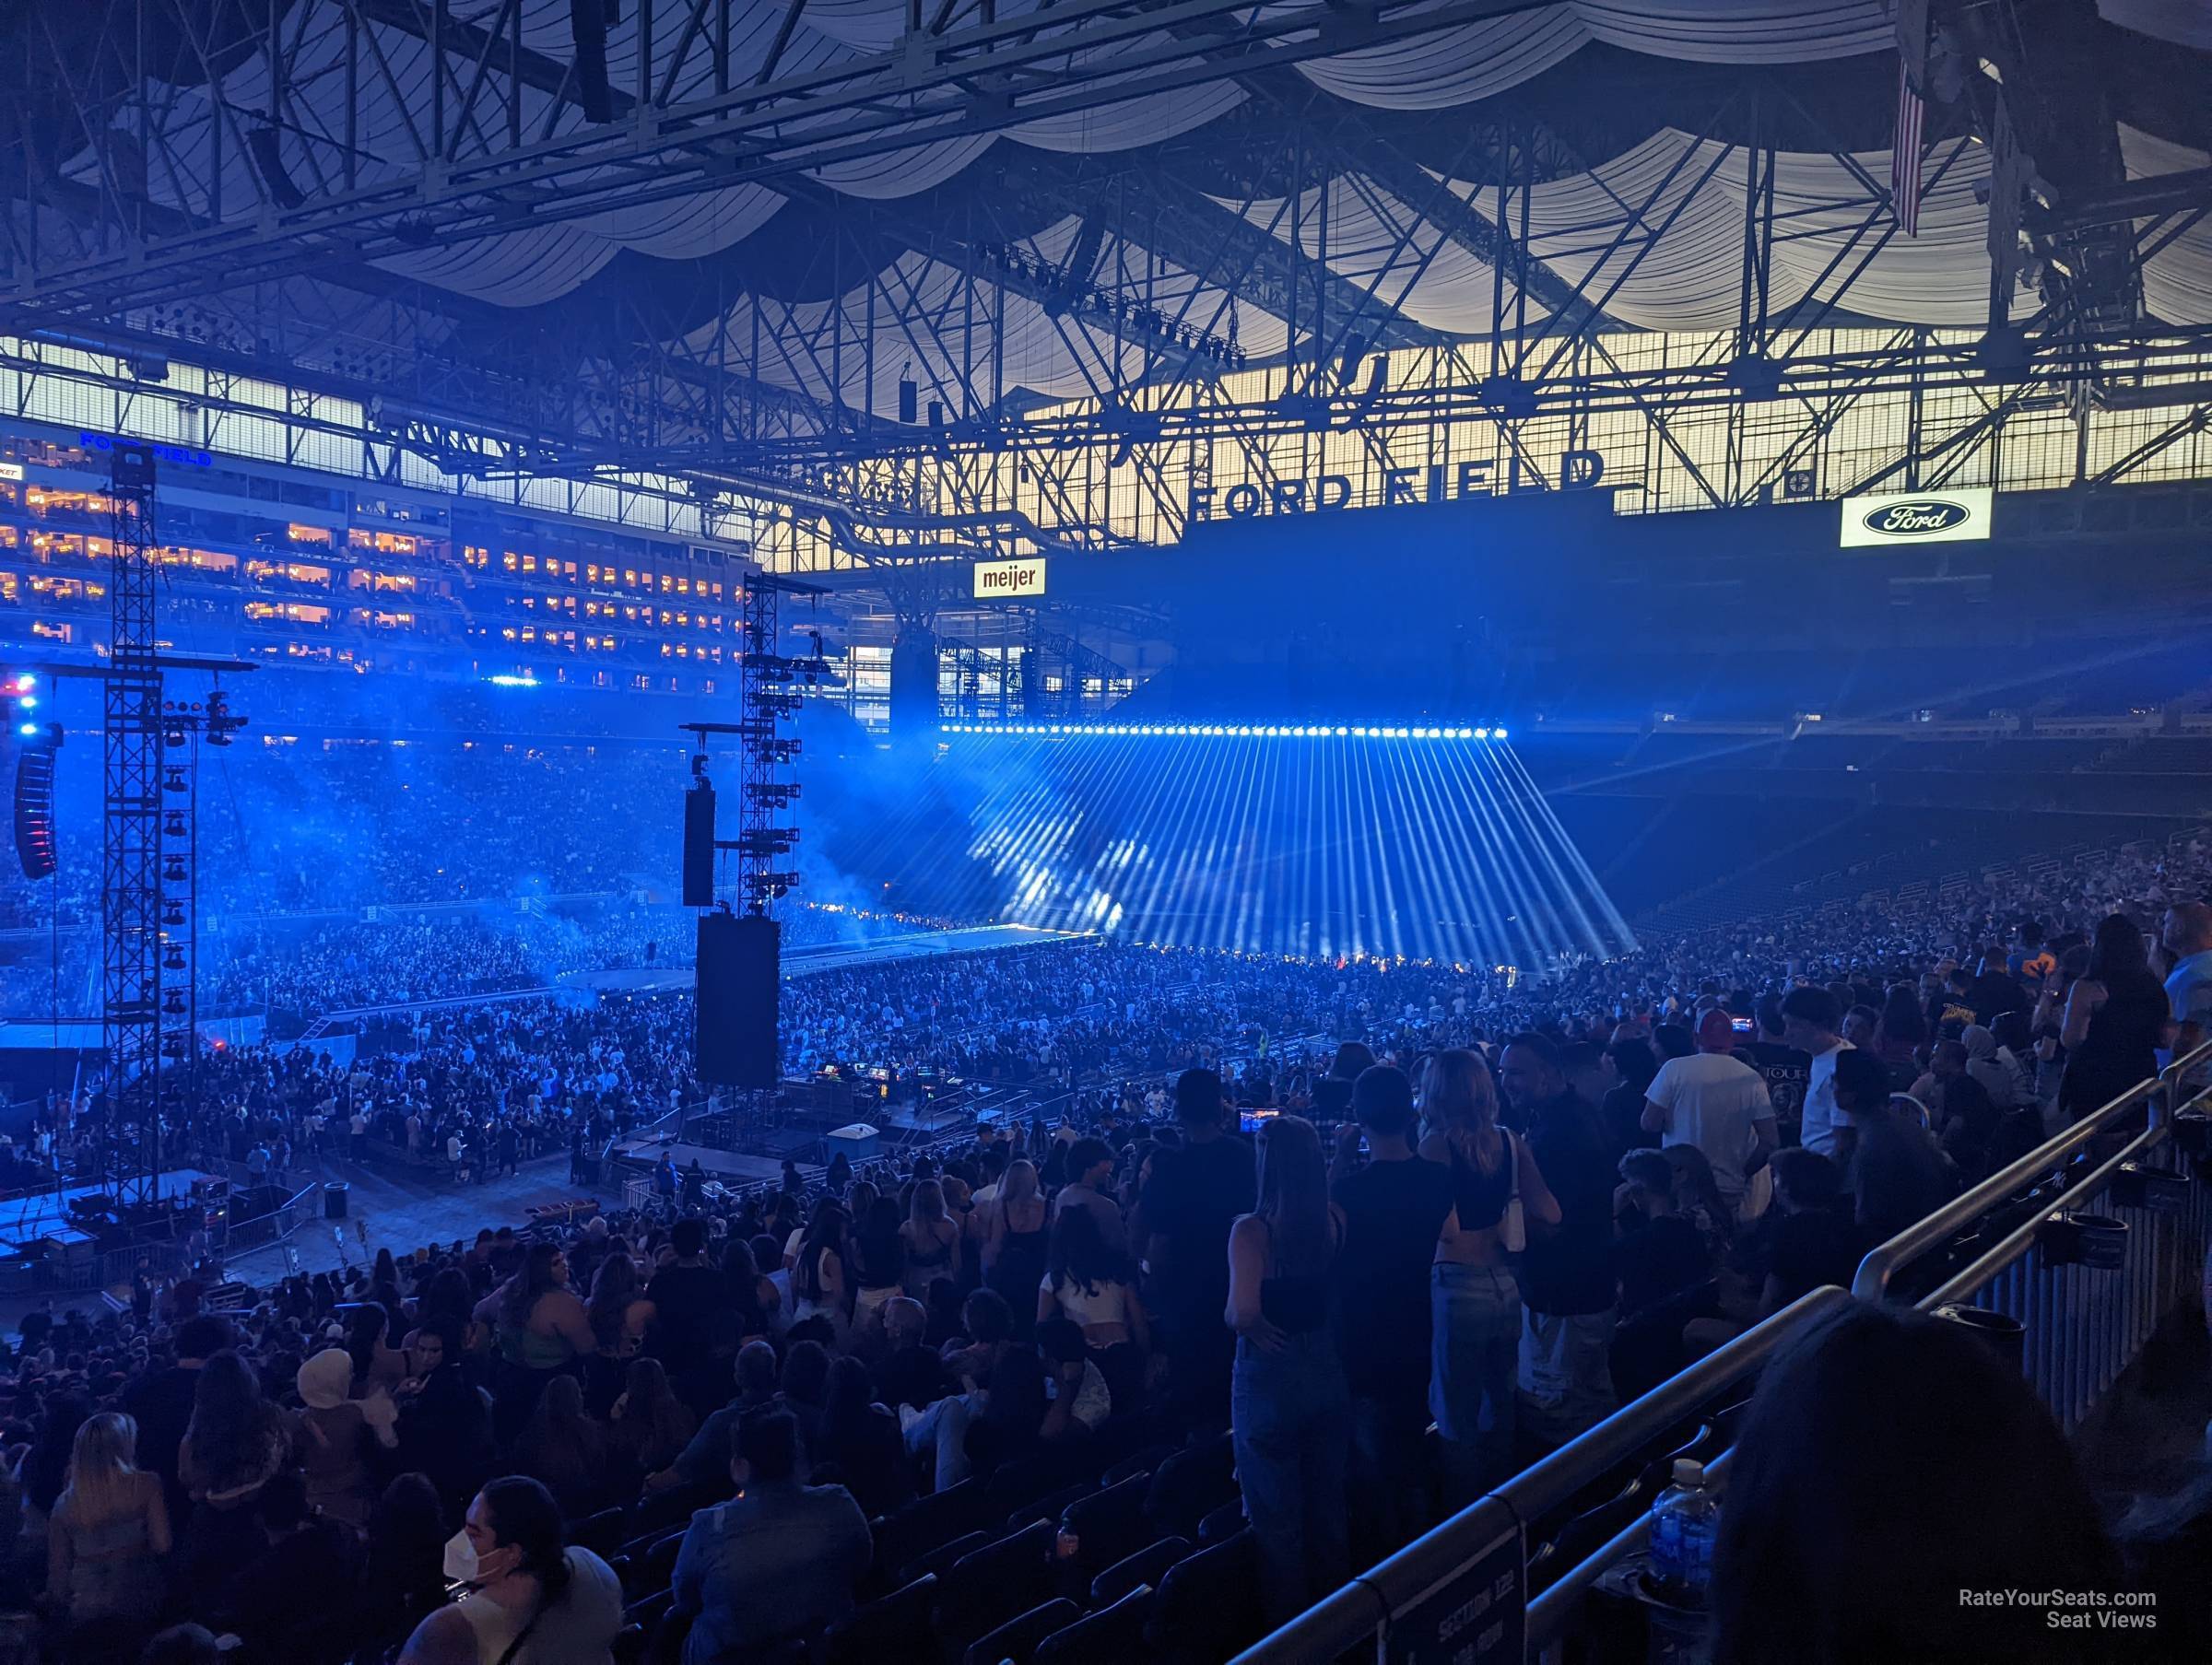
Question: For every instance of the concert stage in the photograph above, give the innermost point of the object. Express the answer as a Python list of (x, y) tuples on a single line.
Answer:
[(46, 1214), (835, 957), (733, 1168)]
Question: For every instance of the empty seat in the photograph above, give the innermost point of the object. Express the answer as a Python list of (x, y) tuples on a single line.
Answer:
[(994, 1582), (1191, 1484), (923, 1525), (1051, 1508), (1207, 1607), (601, 1533), (898, 1626), (1108, 1637), (1017, 1637), (1137, 1462), (1222, 1524), (941, 1558), (1097, 1531), (1148, 1567)]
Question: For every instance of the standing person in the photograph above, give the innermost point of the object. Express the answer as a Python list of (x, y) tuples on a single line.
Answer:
[(1567, 1285), (1197, 1192), (2117, 1018), (1474, 1300), (541, 1329), (880, 1263), (932, 1240), (1087, 1282), (1014, 1250), (1716, 1101), (160, 1403), (235, 1446), (1290, 1412), (1090, 1161), (2187, 933), (686, 1299), (1395, 1211), (530, 1602), (1782, 1066), (105, 1541), (1633, 1065), (1812, 1023)]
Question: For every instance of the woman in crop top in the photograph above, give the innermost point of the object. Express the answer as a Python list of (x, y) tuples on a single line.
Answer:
[(1475, 1304), (1089, 1282), (1290, 1412)]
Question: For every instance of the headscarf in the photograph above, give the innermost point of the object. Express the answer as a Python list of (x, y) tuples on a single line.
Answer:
[(326, 1379)]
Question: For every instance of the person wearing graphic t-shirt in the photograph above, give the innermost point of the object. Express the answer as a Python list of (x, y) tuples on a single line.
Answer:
[(1811, 1022)]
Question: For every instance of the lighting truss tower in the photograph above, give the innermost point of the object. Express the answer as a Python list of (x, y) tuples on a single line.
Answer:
[(132, 1014), (767, 698)]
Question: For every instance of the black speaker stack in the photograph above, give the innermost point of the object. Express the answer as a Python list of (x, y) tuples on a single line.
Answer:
[(739, 966)]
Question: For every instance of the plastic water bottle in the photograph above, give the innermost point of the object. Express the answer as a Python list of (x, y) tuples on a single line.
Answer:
[(1685, 1521)]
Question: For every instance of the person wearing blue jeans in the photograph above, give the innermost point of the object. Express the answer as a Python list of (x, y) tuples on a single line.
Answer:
[(1476, 1320), (1289, 1409)]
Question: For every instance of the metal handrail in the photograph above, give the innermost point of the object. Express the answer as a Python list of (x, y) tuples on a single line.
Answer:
[(1353, 1612), (1884, 1261)]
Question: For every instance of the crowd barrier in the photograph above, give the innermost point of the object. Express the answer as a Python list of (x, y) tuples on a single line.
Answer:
[(2072, 1292)]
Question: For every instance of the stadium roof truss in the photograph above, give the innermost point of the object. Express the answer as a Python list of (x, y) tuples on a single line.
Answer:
[(846, 259)]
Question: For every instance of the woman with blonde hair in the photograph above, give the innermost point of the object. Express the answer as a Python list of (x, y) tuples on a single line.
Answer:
[(105, 1542), (1474, 1300), (1291, 1411), (1014, 1253), (932, 1240)]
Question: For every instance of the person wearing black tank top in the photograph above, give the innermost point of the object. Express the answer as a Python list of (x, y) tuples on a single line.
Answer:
[(1289, 1409), (1474, 1299)]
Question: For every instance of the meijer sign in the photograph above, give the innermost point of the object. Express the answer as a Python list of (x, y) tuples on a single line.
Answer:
[(1003, 581), (1917, 517)]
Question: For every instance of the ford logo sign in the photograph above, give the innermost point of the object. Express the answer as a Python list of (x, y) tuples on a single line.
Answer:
[(1921, 518)]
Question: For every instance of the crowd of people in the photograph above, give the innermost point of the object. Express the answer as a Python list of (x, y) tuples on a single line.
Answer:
[(1416, 1196)]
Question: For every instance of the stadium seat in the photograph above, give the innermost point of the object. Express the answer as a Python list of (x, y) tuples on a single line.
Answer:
[(1110, 1636), (898, 1625), (992, 1583), (1015, 1640), (1190, 1484), (940, 1559), (1222, 1524), (1208, 1605), (1148, 1567), (601, 1533), (1051, 1508), (1142, 1461), (629, 1646), (924, 1524), (1098, 1530)]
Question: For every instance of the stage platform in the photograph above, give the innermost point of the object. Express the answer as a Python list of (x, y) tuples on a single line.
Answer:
[(836, 957), (733, 1167), (47, 1212)]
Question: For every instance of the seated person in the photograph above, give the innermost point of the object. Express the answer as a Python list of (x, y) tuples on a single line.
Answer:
[(778, 1560)]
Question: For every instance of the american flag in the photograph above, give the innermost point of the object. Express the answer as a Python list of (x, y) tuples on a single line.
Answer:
[(1904, 156)]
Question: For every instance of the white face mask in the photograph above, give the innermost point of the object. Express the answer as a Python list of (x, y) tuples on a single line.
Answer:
[(461, 1564)]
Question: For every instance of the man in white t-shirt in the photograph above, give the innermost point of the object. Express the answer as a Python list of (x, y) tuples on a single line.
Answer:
[(1717, 1102), (1811, 1021)]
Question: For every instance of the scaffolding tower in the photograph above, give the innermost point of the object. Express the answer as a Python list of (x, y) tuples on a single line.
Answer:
[(133, 1018)]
